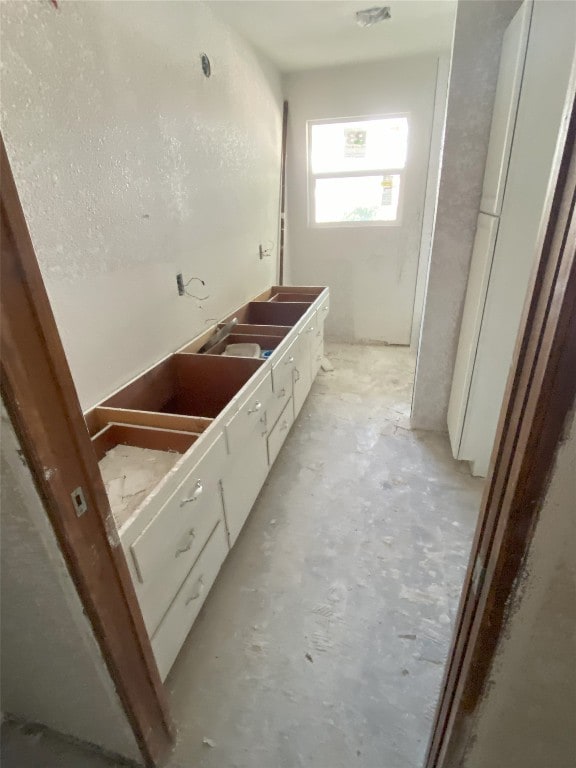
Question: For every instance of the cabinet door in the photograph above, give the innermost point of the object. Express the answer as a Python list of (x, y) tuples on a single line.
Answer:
[(302, 374), (243, 481), (480, 266)]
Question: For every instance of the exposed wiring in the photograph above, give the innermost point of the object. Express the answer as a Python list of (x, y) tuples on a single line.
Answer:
[(192, 295)]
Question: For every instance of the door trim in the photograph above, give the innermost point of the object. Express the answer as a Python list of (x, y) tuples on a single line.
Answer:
[(42, 403), (539, 396)]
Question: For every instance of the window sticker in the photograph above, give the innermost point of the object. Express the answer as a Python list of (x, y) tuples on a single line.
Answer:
[(354, 143), (387, 185)]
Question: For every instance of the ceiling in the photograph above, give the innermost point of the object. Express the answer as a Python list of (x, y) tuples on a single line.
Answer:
[(303, 34)]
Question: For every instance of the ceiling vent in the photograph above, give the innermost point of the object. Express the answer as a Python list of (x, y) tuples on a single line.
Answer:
[(371, 16)]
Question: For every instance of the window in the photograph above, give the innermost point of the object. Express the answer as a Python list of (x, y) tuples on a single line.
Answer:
[(356, 170)]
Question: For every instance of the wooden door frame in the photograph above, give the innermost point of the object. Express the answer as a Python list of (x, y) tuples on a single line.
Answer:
[(41, 400), (539, 396)]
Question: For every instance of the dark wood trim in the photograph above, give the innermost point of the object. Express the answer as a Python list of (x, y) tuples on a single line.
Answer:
[(283, 193), (41, 399), (539, 396)]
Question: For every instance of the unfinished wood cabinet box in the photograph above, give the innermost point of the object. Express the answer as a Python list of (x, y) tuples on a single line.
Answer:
[(185, 447)]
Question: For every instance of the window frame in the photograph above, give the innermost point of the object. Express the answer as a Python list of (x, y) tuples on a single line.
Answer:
[(311, 176)]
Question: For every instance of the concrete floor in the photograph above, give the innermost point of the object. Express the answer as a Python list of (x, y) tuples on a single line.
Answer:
[(323, 640)]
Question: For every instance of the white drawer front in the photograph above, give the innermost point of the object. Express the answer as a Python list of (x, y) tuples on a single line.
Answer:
[(278, 435), (302, 374), (279, 400), (251, 416), (156, 595), (181, 615), (310, 328), (172, 540)]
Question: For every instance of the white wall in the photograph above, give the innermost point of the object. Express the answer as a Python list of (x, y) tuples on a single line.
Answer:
[(371, 270), (527, 717), (132, 166), (474, 71), (52, 670)]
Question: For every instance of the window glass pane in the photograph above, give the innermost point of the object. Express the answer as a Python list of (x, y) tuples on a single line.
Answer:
[(357, 198), (362, 145)]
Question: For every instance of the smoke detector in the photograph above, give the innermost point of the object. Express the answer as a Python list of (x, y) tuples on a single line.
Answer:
[(371, 16)]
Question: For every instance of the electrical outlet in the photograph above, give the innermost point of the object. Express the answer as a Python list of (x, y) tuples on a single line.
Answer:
[(180, 284)]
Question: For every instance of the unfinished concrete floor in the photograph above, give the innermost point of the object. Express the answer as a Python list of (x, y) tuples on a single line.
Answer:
[(323, 640)]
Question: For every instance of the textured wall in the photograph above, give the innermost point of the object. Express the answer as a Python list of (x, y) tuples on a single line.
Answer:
[(371, 270), (527, 717), (480, 25), (132, 166), (52, 671)]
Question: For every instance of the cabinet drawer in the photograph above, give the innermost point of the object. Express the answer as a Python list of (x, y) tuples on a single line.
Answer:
[(310, 328), (282, 368), (179, 618), (156, 595), (302, 374), (317, 357), (250, 416), (279, 400), (243, 481), (174, 537), (281, 428)]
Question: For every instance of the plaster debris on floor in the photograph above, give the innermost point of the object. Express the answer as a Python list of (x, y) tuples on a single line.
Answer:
[(324, 639), (130, 474)]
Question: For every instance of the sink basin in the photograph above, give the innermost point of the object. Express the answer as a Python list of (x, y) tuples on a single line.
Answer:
[(271, 313), (187, 384)]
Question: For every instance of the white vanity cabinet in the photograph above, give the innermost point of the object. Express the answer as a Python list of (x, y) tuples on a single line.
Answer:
[(212, 425)]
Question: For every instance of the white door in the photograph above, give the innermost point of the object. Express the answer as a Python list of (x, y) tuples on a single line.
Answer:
[(480, 265), (542, 114)]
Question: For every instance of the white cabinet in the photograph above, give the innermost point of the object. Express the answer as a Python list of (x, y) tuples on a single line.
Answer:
[(480, 266), (178, 621), (218, 423), (243, 481), (486, 347), (167, 548)]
